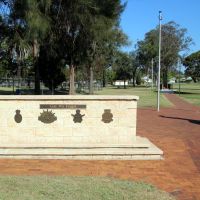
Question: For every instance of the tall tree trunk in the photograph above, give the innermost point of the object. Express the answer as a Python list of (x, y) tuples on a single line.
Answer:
[(71, 80), (19, 69), (194, 79), (124, 84), (19, 75), (36, 67), (104, 77), (37, 79), (91, 89), (165, 78), (52, 87), (133, 81), (133, 76)]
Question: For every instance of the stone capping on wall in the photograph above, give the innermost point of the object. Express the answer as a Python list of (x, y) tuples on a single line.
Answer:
[(69, 97)]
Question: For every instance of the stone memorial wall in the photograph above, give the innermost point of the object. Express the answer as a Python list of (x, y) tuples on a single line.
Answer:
[(70, 127)]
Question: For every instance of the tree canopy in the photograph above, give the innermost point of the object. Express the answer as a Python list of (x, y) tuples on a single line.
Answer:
[(174, 40), (81, 38), (81, 34), (192, 64)]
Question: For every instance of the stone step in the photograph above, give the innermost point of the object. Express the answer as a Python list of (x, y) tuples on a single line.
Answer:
[(75, 151), (85, 157), (82, 153), (139, 142)]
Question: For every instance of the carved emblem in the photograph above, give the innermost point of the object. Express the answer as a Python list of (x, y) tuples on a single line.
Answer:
[(78, 117), (107, 116), (18, 116), (47, 117)]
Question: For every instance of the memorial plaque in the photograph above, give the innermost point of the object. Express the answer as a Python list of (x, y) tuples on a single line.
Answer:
[(47, 117), (18, 117), (107, 116), (62, 106), (77, 118)]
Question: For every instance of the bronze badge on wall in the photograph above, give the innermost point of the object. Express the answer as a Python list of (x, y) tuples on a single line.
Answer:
[(107, 116), (47, 117), (78, 117), (18, 117)]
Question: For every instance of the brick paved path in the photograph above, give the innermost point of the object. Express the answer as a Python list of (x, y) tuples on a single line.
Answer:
[(176, 131)]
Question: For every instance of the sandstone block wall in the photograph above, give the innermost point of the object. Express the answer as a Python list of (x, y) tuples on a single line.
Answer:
[(20, 125)]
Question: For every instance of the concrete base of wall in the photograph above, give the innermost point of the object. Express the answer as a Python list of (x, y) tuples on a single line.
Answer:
[(143, 149)]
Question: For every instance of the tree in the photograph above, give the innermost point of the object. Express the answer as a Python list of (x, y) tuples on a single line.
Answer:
[(84, 33), (37, 25), (51, 67), (110, 47), (134, 65), (102, 32), (174, 40), (14, 50), (4, 55), (70, 19), (31, 18), (123, 67), (192, 64)]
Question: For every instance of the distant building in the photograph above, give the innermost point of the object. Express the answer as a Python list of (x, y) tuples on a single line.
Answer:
[(119, 83)]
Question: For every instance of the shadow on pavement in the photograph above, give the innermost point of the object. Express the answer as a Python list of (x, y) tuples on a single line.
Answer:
[(185, 119)]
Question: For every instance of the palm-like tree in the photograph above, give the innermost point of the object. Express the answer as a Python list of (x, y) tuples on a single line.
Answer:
[(32, 16)]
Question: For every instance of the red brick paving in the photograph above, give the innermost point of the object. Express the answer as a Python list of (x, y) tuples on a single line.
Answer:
[(175, 130)]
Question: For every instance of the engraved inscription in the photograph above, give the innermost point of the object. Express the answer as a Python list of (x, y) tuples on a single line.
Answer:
[(107, 116), (77, 117), (47, 117), (62, 106), (18, 117)]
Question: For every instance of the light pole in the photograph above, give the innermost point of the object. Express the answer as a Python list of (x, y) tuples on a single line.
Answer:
[(179, 76), (159, 58), (152, 63)]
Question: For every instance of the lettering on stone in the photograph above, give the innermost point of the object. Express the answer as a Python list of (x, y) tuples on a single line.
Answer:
[(47, 117), (77, 118), (62, 106), (18, 117), (107, 116)]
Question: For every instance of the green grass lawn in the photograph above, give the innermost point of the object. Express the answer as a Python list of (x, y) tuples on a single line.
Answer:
[(76, 188), (6, 90), (189, 92), (148, 98)]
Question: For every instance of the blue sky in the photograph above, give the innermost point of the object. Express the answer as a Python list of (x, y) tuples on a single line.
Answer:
[(140, 16)]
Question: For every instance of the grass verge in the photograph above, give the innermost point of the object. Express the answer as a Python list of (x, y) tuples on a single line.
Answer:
[(75, 188), (189, 92), (148, 98)]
